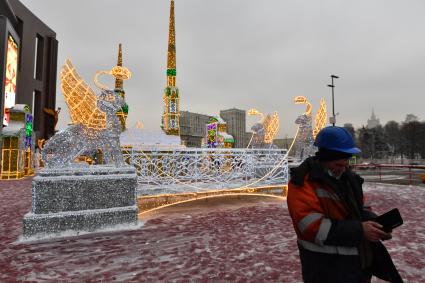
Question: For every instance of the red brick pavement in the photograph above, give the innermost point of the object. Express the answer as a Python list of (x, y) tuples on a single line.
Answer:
[(253, 242)]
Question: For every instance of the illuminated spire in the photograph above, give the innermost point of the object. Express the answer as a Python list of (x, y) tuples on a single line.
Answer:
[(119, 82), (171, 60), (119, 88), (171, 115), (171, 57)]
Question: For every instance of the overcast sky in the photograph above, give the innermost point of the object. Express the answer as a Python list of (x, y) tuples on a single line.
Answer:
[(245, 54)]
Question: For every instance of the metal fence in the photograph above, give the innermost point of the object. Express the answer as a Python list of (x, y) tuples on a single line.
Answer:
[(391, 173), (200, 169)]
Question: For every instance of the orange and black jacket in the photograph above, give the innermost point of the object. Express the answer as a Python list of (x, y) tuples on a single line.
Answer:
[(327, 216), (325, 211)]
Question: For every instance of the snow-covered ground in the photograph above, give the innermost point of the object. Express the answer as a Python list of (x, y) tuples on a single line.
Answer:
[(245, 240)]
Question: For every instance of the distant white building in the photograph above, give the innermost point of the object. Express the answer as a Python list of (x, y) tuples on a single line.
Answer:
[(373, 122)]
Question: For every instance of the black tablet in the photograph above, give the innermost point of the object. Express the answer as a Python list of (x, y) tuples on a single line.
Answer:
[(389, 220)]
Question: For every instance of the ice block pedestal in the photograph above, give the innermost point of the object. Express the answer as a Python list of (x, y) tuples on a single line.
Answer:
[(82, 199)]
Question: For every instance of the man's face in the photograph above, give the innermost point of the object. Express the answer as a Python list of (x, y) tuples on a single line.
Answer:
[(337, 167)]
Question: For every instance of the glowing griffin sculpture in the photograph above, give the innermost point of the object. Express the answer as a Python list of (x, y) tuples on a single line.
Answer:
[(95, 125), (303, 146), (265, 130)]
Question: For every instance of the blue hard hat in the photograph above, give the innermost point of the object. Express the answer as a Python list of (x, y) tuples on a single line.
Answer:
[(337, 139)]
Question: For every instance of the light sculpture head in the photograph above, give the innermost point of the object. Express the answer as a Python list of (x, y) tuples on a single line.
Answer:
[(253, 112), (300, 100)]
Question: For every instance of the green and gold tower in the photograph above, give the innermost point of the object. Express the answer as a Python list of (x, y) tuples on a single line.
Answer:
[(119, 88), (171, 115)]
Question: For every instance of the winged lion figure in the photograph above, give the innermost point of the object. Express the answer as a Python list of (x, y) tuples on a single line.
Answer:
[(95, 125)]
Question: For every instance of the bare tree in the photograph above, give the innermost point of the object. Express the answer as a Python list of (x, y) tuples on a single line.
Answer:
[(393, 137)]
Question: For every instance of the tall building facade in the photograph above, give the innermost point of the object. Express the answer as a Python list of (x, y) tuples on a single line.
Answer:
[(34, 81), (236, 125), (171, 115), (373, 122), (192, 128)]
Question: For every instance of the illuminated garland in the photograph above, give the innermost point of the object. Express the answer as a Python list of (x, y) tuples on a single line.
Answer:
[(171, 72)]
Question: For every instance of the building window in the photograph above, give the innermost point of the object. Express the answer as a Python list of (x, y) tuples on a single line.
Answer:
[(38, 57)]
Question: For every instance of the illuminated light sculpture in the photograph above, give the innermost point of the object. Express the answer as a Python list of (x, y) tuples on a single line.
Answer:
[(271, 125), (321, 118), (265, 130), (171, 116), (54, 113), (217, 135), (10, 78), (254, 112), (139, 125), (38, 160), (18, 144), (95, 124), (303, 143), (69, 197)]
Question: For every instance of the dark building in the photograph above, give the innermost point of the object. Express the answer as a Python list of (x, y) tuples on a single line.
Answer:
[(192, 128), (236, 126), (35, 81)]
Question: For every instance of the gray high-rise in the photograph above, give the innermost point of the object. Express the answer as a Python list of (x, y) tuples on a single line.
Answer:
[(236, 125)]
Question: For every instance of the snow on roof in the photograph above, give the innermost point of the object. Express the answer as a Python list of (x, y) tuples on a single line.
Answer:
[(227, 137), (149, 139)]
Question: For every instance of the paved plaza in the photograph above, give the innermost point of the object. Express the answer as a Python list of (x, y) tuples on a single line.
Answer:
[(219, 240)]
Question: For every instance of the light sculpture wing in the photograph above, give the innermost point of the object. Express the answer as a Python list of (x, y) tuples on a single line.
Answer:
[(271, 125), (321, 118), (81, 99)]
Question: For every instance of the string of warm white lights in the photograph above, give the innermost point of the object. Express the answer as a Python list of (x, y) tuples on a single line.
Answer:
[(206, 197), (150, 203), (177, 181), (271, 127), (321, 118), (81, 99)]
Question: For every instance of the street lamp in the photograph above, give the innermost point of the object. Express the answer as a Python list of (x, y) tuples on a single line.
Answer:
[(333, 119)]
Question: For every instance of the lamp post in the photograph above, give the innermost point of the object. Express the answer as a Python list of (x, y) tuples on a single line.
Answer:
[(333, 119)]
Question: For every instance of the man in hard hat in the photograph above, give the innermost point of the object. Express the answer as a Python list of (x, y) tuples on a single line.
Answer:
[(336, 238)]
